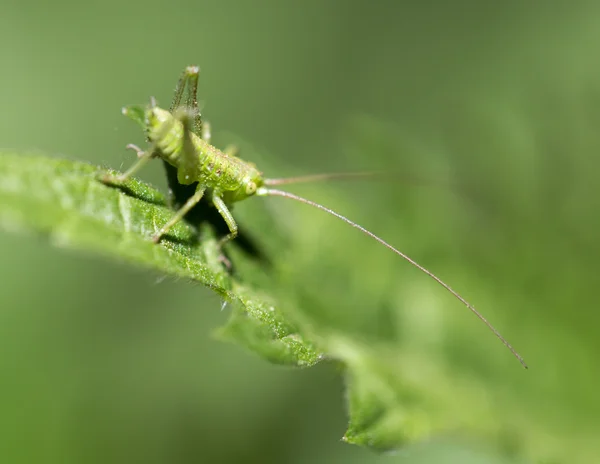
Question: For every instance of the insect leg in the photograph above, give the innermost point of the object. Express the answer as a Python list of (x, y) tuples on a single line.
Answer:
[(227, 216), (138, 151), (178, 216), (189, 78), (181, 84), (192, 100), (143, 158)]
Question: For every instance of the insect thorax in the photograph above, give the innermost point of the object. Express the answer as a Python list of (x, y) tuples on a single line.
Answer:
[(167, 133)]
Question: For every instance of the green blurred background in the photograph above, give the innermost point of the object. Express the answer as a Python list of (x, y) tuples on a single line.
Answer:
[(497, 104)]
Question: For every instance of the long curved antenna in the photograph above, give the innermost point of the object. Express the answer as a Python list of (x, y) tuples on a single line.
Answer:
[(413, 180), (321, 177), (273, 192)]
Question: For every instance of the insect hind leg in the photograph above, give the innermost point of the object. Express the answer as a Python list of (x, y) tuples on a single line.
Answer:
[(189, 79)]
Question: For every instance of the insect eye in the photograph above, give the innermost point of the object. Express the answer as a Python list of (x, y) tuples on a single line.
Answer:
[(250, 188)]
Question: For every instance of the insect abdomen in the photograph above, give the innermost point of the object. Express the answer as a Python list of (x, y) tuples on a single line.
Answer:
[(219, 169)]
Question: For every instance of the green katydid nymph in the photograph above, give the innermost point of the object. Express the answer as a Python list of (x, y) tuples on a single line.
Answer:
[(182, 139)]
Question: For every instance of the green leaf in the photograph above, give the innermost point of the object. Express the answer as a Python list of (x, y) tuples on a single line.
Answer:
[(65, 201), (396, 396)]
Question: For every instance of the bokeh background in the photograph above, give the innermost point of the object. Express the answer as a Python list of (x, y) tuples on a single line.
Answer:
[(493, 106)]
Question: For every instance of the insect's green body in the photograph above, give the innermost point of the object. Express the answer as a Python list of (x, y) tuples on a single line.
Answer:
[(222, 174), (180, 137)]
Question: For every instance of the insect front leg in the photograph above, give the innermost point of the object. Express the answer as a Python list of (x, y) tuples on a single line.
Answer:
[(178, 216), (143, 158), (138, 151), (227, 216)]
